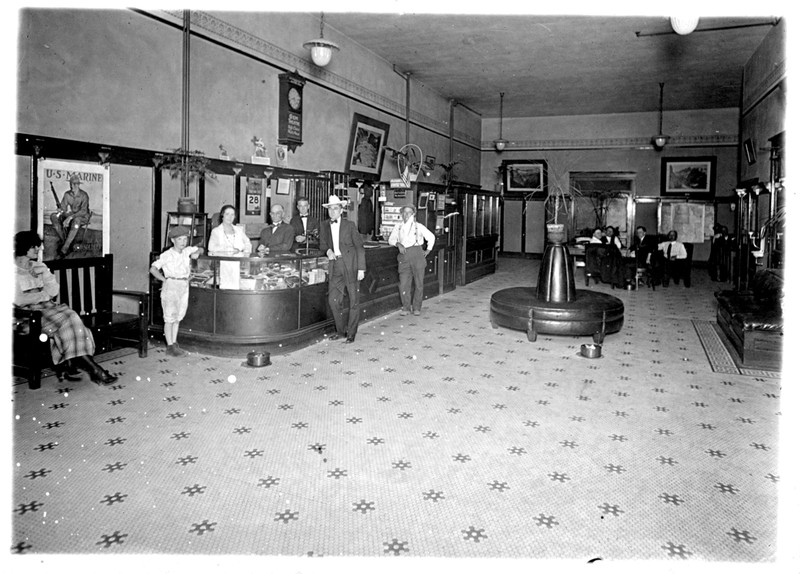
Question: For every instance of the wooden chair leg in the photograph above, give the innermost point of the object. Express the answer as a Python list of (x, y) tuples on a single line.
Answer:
[(35, 378)]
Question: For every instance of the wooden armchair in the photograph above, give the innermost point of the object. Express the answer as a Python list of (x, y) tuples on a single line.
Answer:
[(86, 286)]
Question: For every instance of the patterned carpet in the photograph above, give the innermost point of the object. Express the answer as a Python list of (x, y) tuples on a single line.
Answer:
[(721, 355), (434, 436)]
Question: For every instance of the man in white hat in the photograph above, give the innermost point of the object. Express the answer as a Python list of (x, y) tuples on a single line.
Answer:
[(408, 236), (340, 241), (73, 212)]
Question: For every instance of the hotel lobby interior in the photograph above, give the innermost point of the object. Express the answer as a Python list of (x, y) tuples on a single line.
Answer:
[(442, 440)]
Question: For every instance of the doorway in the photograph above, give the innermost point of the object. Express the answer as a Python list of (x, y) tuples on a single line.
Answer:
[(603, 199)]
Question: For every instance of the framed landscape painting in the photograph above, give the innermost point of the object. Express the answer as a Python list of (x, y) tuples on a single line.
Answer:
[(692, 177), (528, 176)]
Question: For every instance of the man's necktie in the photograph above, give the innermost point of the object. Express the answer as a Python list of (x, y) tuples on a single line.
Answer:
[(669, 251)]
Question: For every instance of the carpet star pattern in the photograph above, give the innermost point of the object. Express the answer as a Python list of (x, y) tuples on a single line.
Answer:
[(204, 527), (108, 540), (474, 534), (528, 463)]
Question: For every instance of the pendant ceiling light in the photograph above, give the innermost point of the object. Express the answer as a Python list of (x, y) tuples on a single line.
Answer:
[(684, 24), (321, 49), (660, 140), (500, 143)]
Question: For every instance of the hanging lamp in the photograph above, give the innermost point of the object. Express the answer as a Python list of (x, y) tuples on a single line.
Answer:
[(660, 140), (684, 25), (500, 143), (321, 49)]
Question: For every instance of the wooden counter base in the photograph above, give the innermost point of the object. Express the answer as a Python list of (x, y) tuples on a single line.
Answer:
[(232, 323)]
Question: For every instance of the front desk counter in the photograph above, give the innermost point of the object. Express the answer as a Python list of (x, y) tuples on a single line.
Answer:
[(279, 303)]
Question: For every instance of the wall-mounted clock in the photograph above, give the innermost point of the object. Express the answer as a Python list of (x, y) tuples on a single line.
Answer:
[(290, 110), (295, 99)]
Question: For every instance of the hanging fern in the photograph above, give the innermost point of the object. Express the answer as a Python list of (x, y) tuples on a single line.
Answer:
[(187, 164)]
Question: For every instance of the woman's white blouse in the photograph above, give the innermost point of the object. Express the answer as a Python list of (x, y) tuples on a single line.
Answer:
[(220, 243)]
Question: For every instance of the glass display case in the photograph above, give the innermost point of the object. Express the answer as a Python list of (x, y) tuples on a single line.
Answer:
[(274, 273)]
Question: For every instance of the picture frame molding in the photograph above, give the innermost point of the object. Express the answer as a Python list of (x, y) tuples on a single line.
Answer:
[(705, 193), (749, 151), (365, 122), (540, 191)]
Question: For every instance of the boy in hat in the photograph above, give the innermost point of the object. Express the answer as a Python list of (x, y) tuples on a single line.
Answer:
[(173, 268), (340, 241), (409, 236), (73, 212)]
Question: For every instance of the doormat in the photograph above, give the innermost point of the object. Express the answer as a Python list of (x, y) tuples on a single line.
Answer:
[(721, 356)]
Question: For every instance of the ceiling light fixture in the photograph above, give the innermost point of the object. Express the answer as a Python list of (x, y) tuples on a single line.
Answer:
[(684, 24), (321, 49), (660, 140), (500, 143)]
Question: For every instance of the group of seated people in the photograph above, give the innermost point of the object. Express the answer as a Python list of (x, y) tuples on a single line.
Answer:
[(663, 260)]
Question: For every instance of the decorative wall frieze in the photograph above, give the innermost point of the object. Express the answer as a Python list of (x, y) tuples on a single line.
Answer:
[(755, 92), (615, 143), (227, 33)]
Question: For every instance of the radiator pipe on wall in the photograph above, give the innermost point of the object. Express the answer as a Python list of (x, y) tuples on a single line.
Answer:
[(452, 130), (185, 73), (408, 107)]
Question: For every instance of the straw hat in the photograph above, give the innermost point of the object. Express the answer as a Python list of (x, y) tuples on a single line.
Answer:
[(334, 200)]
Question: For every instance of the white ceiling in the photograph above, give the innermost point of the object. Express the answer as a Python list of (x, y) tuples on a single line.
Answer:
[(562, 65)]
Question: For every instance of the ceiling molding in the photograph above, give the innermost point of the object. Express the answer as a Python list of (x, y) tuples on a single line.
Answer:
[(226, 33), (715, 140)]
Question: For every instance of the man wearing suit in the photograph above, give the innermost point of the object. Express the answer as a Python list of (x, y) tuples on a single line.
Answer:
[(645, 248), (306, 227), (278, 237), (644, 245), (340, 241)]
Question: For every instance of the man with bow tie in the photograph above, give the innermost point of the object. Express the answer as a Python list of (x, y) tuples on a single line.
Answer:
[(340, 241), (305, 226), (278, 237)]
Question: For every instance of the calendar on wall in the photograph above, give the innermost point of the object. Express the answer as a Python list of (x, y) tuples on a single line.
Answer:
[(254, 197)]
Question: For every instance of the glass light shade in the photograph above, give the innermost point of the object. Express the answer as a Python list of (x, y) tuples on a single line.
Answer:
[(500, 144), (321, 51), (684, 24), (660, 141)]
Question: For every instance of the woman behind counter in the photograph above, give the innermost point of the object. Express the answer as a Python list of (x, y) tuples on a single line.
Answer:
[(228, 238), (71, 342)]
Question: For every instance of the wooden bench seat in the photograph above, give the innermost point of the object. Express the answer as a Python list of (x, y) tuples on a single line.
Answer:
[(86, 286)]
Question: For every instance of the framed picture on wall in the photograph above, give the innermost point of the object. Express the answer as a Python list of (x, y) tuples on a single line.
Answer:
[(73, 218), (365, 153), (749, 152), (528, 176), (694, 177)]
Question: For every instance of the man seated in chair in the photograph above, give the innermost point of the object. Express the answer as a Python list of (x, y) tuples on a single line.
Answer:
[(674, 258), (643, 246), (73, 212)]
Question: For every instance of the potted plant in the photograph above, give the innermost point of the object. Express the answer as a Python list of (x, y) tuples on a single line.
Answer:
[(449, 176), (189, 166), (558, 203)]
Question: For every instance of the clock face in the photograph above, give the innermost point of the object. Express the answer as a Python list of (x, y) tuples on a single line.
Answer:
[(294, 99)]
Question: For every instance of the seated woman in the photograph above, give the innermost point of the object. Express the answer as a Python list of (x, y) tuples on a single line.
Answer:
[(228, 238), (612, 237), (597, 236), (71, 342)]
